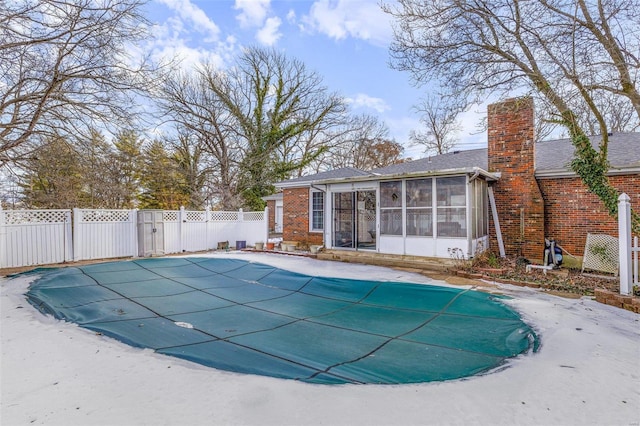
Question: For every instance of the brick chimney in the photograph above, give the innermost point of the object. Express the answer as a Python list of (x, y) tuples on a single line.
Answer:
[(519, 202)]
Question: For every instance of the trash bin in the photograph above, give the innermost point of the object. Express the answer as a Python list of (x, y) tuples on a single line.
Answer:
[(241, 245)]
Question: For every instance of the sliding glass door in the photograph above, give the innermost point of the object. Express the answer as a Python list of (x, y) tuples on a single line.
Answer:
[(354, 219)]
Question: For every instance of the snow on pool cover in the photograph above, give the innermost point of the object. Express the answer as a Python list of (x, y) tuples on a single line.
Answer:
[(253, 318)]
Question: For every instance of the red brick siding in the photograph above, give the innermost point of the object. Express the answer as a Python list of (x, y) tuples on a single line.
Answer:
[(518, 198), (295, 226), (271, 205), (572, 211)]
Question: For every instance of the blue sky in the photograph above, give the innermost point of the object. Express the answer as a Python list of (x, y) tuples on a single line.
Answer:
[(344, 41)]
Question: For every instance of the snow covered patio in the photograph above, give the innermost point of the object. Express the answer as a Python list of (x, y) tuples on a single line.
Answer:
[(58, 373)]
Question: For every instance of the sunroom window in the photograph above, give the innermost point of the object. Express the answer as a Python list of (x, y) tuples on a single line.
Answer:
[(451, 206), (419, 211), (391, 208), (479, 211)]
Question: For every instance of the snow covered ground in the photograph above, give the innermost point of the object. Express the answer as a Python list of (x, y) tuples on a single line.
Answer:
[(586, 373)]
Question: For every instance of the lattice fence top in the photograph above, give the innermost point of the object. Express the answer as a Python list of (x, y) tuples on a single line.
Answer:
[(601, 253), (195, 216), (224, 216), (18, 217), (170, 215), (105, 215), (253, 216)]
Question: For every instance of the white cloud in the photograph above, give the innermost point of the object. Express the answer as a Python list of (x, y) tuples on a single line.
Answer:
[(253, 12), (362, 100), (399, 128), (189, 12), (269, 34), (360, 19), (176, 49), (291, 16)]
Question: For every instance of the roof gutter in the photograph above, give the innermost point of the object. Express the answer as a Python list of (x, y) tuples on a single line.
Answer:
[(475, 171)]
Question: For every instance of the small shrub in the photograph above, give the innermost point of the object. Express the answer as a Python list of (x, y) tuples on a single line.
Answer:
[(460, 261)]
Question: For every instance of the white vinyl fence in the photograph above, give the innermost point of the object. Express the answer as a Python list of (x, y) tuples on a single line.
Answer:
[(104, 234), (34, 237), (39, 237), (188, 231), (628, 252)]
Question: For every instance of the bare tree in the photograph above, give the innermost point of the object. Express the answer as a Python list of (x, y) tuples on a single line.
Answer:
[(439, 116), (189, 158), (363, 143), (67, 66), (261, 120), (276, 101), (189, 103), (570, 52)]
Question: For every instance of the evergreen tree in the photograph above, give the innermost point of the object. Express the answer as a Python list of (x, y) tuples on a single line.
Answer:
[(53, 177), (160, 180)]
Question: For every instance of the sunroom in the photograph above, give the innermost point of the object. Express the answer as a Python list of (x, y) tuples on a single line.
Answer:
[(438, 214)]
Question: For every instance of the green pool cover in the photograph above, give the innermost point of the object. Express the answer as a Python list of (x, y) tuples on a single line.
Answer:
[(253, 318)]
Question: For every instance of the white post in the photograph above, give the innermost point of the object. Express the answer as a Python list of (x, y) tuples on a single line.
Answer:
[(182, 217), (68, 237), (266, 224), (3, 233), (207, 219), (496, 222), (133, 231), (624, 241), (77, 234)]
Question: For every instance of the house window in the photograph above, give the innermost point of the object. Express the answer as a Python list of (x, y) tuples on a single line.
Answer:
[(317, 211), (419, 213), (391, 208), (479, 210), (451, 206)]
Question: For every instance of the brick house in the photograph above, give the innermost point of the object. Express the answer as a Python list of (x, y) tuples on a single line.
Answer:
[(439, 205)]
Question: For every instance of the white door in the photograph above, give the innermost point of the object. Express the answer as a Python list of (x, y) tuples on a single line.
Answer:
[(279, 217), (151, 233)]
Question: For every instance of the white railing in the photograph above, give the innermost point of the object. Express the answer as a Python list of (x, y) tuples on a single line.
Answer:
[(38, 237), (34, 237), (628, 252)]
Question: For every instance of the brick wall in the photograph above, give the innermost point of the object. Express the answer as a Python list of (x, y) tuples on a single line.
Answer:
[(518, 198), (572, 211), (271, 205), (296, 217)]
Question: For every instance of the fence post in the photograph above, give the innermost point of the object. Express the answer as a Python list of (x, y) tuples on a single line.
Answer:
[(77, 215), (207, 218), (3, 233), (182, 217), (266, 224), (133, 229), (624, 241), (240, 215), (68, 237)]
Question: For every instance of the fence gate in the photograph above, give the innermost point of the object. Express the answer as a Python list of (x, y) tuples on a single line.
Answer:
[(150, 233)]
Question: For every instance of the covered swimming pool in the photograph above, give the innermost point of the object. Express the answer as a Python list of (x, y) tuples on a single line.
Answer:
[(253, 318)]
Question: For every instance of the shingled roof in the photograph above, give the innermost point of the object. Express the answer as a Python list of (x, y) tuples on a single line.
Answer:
[(449, 161), (552, 158), (342, 173)]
